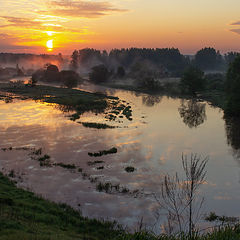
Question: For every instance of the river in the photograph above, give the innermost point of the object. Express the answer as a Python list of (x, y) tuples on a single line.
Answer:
[(161, 130)]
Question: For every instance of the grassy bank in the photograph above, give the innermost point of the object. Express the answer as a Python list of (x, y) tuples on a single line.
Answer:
[(69, 99), (24, 215), (214, 97)]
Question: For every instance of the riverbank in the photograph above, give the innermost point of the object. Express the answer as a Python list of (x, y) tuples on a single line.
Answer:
[(75, 99), (66, 99), (214, 97)]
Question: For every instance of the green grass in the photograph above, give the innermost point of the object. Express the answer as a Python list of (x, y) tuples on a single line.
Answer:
[(26, 216), (67, 99)]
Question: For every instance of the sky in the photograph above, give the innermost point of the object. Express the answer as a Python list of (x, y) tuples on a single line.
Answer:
[(54, 26)]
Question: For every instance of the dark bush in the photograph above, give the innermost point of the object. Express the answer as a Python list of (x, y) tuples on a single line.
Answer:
[(99, 74), (69, 78), (52, 73)]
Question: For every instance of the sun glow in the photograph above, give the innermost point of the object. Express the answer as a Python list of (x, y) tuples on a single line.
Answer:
[(49, 45), (49, 33)]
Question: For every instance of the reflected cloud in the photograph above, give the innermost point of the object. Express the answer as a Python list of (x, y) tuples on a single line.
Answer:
[(192, 112)]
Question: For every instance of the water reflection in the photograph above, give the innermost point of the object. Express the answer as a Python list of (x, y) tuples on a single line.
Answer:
[(151, 100), (232, 126), (192, 112)]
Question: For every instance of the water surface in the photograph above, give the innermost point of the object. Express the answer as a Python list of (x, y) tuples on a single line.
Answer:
[(153, 142)]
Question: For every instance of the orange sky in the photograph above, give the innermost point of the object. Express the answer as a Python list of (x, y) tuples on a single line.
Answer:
[(53, 26)]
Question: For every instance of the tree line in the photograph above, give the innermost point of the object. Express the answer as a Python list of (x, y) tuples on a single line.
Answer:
[(206, 59)]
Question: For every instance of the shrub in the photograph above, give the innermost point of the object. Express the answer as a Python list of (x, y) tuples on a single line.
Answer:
[(69, 78)]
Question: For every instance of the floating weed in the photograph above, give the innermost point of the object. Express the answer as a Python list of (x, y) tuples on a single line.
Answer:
[(84, 175), (68, 166), (17, 148), (93, 179), (80, 169), (100, 168), (45, 161), (96, 125), (12, 174), (129, 169), (75, 116), (125, 190), (44, 158), (108, 187), (37, 152), (127, 112), (111, 117), (93, 163), (104, 152)]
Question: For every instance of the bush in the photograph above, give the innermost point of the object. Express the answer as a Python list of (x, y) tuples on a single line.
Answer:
[(192, 80), (51, 73), (121, 72), (38, 75), (69, 78), (99, 74)]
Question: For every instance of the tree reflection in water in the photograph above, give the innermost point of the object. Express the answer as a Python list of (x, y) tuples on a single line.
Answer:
[(232, 126), (151, 100), (192, 112)]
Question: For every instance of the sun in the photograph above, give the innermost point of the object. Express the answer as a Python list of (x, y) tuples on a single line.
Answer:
[(49, 45)]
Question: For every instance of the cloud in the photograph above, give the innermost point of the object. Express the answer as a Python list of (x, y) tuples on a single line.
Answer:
[(235, 23), (86, 9), (235, 31), (28, 23)]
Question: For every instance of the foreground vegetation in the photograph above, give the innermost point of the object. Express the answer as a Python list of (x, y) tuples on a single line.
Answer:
[(24, 215)]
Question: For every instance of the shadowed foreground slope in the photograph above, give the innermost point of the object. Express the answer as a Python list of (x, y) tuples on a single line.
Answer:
[(24, 215)]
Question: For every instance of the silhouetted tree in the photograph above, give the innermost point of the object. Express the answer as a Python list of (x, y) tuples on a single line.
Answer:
[(208, 59), (99, 74), (74, 60), (121, 72), (169, 58), (19, 71), (52, 73), (215, 81), (38, 75), (180, 197), (192, 80), (230, 57), (69, 78)]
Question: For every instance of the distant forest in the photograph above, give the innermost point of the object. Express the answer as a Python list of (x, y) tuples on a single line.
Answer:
[(169, 61)]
